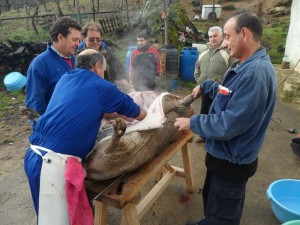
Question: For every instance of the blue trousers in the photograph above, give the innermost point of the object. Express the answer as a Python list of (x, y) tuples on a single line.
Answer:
[(223, 200)]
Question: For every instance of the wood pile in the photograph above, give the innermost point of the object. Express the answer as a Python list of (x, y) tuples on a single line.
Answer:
[(16, 56)]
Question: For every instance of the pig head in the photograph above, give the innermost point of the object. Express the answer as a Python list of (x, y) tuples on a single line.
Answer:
[(125, 152)]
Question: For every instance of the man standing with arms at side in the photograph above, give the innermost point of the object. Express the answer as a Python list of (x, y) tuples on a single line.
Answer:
[(145, 64), (237, 121), (211, 64), (47, 68), (68, 129)]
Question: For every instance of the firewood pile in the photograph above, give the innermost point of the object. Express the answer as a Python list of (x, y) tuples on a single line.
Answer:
[(16, 56)]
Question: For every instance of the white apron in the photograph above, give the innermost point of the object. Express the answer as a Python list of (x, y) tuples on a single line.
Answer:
[(53, 206)]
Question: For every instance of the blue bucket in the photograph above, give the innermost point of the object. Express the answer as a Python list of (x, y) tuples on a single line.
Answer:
[(293, 222), (284, 196), (14, 81)]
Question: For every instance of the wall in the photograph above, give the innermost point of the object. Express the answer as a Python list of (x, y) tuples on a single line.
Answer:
[(292, 48)]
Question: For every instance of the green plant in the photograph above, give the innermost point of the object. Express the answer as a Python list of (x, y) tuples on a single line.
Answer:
[(274, 37), (9, 101)]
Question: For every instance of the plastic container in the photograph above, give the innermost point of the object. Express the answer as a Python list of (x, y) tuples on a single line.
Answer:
[(293, 222), (284, 196), (172, 61), (296, 148), (187, 61), (128, 56), (14, 81)]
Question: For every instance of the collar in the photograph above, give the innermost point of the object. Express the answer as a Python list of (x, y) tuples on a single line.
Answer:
[(59, 53)]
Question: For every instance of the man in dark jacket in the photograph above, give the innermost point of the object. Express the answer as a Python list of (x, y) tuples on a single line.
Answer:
[(145, 64)]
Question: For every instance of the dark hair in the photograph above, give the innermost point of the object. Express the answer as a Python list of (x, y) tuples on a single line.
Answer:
[(143, 35), (63, 26), (87, 61), (249, 20), (91, 26)]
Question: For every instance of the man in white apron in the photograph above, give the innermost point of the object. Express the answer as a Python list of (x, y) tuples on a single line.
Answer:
[(68, 129)]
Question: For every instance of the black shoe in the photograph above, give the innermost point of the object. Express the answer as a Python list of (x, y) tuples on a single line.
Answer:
[(193, 223)]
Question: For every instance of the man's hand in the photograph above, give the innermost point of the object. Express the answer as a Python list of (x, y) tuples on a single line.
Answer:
[(182, 124), (142, 115), (196, 91)]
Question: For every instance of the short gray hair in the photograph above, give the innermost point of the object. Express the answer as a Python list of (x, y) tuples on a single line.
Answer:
[(216, 28), (89, 60)]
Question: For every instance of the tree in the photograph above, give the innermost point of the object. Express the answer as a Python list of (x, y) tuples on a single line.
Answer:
[(59, 12)]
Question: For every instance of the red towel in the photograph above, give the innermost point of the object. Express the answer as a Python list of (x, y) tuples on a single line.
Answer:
[(80, 211)]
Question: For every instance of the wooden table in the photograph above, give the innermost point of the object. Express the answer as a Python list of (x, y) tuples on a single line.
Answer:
[(158, 168)]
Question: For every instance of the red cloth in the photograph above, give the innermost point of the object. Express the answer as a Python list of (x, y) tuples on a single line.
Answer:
[(80, 211)]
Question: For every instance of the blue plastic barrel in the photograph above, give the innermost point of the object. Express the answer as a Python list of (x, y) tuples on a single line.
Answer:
[(187, 61), (128, 56)]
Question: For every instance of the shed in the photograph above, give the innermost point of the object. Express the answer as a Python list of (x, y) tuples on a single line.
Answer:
[(211, 11)]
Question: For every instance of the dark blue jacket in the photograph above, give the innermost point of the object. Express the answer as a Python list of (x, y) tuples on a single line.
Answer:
[(42, 75), (236, 123)]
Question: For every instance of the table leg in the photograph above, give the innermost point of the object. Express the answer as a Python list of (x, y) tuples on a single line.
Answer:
[(130, 216), (187, 169), (100, 216)]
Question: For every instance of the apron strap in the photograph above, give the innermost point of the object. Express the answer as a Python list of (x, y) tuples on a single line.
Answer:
[(36, 149)]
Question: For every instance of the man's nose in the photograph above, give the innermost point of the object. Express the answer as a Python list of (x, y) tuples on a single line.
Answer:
[(224, 44)]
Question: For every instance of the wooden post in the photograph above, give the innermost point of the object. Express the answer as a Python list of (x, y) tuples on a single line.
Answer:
[(166, 23)]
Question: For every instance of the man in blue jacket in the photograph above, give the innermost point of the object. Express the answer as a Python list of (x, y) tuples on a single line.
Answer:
[(237, 121), (69, 128), (48, 67)]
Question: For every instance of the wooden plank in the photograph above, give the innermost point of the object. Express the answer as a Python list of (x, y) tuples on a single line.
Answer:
[(187, 169), (130, 214), (100, 215), (154, 194)]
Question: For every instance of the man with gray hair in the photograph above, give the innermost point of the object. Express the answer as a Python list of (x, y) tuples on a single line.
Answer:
[(211, 64), (68, 129)]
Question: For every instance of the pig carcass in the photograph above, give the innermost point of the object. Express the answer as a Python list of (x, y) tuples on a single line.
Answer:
[(127, 150)]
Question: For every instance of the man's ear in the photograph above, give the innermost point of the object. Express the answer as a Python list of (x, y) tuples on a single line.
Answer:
[(60, 37)]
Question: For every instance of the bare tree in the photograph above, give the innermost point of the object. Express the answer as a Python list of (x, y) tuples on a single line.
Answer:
[(59, 12), (36, 13), (93, 9)]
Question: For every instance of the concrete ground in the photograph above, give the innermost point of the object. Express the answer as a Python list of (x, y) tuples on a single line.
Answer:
[(176, 206)]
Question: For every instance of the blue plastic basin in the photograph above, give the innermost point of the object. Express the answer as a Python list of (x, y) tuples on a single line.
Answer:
[(284, 196), (14, 81), (293, 222)]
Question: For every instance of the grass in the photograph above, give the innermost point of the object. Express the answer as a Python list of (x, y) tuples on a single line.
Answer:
[(10, 101), (274, 37)]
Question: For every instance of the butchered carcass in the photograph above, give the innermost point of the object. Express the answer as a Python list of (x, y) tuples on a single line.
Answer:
[(129, 147)]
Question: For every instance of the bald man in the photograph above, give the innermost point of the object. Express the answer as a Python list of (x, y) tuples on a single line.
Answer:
[(69, 128)]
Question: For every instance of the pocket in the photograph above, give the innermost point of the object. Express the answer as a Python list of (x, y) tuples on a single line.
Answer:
[(229, 203)]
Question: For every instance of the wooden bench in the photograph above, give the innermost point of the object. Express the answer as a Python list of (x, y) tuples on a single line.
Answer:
[(126, 201)]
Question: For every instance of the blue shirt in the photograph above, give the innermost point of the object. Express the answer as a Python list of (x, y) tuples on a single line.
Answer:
[(71, 122), (236, 123), (42, 75)]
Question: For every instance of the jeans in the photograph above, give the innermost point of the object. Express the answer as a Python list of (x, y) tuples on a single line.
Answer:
[(223, 200)]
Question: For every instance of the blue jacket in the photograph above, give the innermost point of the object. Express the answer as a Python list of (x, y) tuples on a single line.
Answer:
[(42, 75), (236, 123), (71, 122)]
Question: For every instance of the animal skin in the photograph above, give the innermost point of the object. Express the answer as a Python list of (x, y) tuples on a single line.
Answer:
[(125, 152)]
